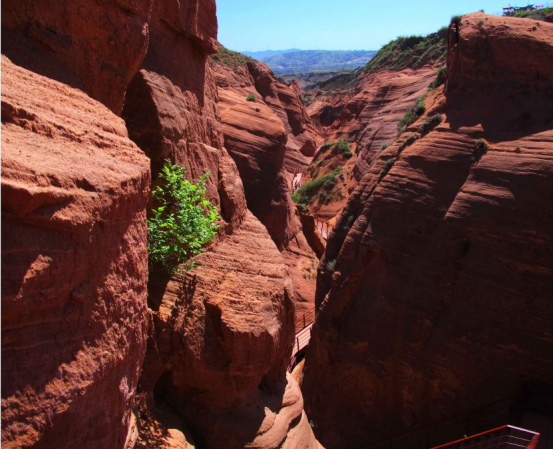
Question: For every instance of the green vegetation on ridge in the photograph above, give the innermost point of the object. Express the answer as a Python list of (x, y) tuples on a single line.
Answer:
[(230, 58), (410, 52), (318, 189), (538, 14)]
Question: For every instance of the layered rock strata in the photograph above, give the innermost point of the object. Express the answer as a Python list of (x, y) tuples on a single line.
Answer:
[(93, 46), (268, 134), (75, 193), (74, 266), (221, 336), (436, 298)]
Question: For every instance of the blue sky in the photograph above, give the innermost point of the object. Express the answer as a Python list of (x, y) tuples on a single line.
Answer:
[(254, 25)]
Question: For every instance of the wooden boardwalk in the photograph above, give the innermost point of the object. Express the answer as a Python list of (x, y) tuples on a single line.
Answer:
[(303, 336)]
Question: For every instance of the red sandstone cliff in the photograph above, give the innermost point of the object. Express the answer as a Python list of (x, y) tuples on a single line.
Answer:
[(76, 313), (220, 338), (92, 47), (74, 266), (270, 139), (364, 109), (436, 298)]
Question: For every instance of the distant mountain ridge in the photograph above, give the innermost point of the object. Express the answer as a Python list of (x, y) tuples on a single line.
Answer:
[(304, 61), (262, 55)]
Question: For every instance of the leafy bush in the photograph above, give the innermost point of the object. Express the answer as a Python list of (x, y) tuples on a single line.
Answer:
[(331, 266), (411, 139), (481, 147), (320, 188), (327, 145), (412, 114), (345, 148), (184, 221), (441, 77), (456, 20), (251, 98), (430, 123), (350, 221), (387, 167)]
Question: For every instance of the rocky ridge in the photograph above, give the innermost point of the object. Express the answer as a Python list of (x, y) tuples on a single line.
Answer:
[(364, 109), (435, 298)]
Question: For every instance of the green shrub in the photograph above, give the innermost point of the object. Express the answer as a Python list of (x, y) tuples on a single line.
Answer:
[(441, 77), (184, 221), (327, 145), (320, 188), (230, 58), (481, 147), (387, 167), (430, 123), (456, 20), (251, 98), (412, 115), (345, 148), (386, 145), (350, 221), (343, 145), (409, 52), (411, 139), (331, 266)]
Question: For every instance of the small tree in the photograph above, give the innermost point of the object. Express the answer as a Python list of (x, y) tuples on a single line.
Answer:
[(184, 221)]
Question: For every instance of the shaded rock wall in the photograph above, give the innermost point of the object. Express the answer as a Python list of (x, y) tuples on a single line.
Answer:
[(92, 46), (74, 266), (440, 298)]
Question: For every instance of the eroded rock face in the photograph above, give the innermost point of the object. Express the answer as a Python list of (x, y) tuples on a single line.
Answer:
[(220, 338), (74, 266), (440, 297), (92, 46), (269, 138), (223, 338)]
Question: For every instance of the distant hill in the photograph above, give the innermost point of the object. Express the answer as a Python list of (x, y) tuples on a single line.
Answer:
[(262, 55), (317, 60)]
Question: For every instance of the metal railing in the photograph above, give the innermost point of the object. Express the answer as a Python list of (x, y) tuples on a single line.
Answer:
[(505, 437), (438, 432)]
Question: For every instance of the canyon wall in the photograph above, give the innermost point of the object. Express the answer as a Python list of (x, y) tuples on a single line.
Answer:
[(221, 335), (209, 349), (435, 287), (270, 137), (364, 108), (95, 47), (74, 266)]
